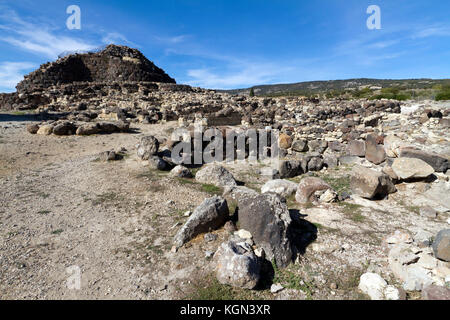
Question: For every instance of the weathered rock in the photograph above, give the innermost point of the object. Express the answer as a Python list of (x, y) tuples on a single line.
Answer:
[(438, 162), (307, 187), (374, 153), (87, 129), (373, 285), (267, 218), (45, 129), (32, 128), (300, 145), (65, 128), (392, 145), (108, 156), (289, 168), (356, 148), (239, 193), (411, 168), (282, 187), (181, 172), (216, 175), (434, 292), (210, 214), (369, 183), (441, 245), (315, 164), (237, 266), (157, 163), (147, 147), (285, 141)]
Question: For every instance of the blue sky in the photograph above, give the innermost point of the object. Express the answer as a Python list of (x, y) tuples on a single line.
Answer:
[(235, 44)]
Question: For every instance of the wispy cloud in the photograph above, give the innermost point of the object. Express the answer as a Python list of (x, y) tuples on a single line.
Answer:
[(117, 38), (432, 31), (12, 72), (38, 38)]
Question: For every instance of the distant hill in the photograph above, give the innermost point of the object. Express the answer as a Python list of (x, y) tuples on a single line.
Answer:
[(351, 87)]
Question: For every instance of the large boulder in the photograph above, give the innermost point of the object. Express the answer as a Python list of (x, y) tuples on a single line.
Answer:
[(300, 145), (438, 162), (369, 183), (434, 292), (285, 141), (290, 168), (64, 128), (373, 285), (356, 148), (210, 214), (308, 187), (267, 218), (237, 265), (279, 186), (216, 175), (411, 168), (147, 147), (45, 129), (88, 129), (441, 245), (374, 153)]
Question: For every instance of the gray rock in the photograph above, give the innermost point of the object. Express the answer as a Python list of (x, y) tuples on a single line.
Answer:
[(441, 245), (65, 128), (369, 183), (239, 193), (411, 168), (210, 214), (267, 218), (438, 162), (216, 175), (434, 292), (181, 172), (156, 163), (87, 129), (237, 266), (307, 187), (147, 147), (279, 186), (32, 128), (374, 153), (289, 168), (356, 148), (300, 145), (315, 164)]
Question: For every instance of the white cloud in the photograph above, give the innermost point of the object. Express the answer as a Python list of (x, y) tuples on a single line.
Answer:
[(38, 38), (12, 72), (433, 31), (117, 38)]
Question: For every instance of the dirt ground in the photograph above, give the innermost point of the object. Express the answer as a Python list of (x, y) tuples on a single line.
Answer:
[(60, 208)]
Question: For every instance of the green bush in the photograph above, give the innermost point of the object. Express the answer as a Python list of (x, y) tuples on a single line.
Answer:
[(444, 94)]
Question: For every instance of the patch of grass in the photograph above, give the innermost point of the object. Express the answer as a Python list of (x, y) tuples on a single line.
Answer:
[(353, 211), (210, 288), (291, 280), (232, 206), (58, 231), (186, 181), (211, 189), (340, 184), (105, 198)]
